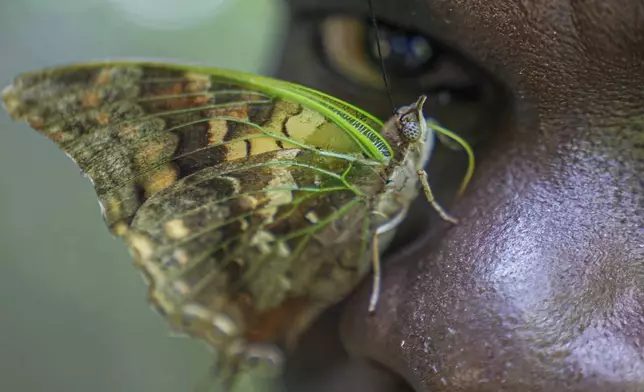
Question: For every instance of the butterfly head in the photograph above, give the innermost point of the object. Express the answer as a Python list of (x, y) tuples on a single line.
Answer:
[(411, 121), (413, 138)]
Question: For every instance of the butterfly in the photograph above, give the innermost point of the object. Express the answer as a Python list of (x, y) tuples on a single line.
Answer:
[(250, 204)]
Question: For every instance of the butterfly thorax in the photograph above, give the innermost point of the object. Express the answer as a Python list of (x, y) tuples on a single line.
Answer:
[(412, 143)]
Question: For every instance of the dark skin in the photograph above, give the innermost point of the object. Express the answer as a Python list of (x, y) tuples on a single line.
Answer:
[(540, 287)]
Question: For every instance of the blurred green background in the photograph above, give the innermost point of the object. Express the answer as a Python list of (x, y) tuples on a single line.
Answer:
[(73, 310)]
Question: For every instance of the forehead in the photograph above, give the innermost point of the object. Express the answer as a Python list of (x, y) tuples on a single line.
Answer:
[(598, 23), (411, 14)]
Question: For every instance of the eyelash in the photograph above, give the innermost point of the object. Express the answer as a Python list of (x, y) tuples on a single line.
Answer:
[(346, 45), (461, 95)]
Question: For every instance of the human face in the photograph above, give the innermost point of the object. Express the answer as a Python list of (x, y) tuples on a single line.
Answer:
[(540, 286)]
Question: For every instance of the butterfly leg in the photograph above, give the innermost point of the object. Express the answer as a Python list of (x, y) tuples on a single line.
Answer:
[(375, 261), (430, 198), (375, 254)]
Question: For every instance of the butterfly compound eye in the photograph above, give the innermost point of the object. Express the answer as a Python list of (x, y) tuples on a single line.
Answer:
[(411, 130), (264, 360), (412, 120)]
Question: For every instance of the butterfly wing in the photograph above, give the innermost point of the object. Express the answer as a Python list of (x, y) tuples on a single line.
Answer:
[(245, 200)]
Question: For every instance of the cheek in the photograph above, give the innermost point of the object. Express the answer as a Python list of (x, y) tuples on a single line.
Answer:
[(540, 286)]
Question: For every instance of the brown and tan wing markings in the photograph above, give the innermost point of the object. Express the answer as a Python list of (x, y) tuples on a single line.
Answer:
[(212, 146), (237, 205), (91, 112), (258, 226), (215, 225)]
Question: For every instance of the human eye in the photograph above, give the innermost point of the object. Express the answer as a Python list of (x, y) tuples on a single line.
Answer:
[(338, 53)]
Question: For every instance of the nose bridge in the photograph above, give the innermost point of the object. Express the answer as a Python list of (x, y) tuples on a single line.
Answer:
[(576, 185), (554, 227), (561, 254)]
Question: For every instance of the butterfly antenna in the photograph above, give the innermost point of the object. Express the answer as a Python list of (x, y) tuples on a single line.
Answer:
[(374, 23)]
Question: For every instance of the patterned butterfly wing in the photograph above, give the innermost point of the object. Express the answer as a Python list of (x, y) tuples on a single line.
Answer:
[(246, 201)]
